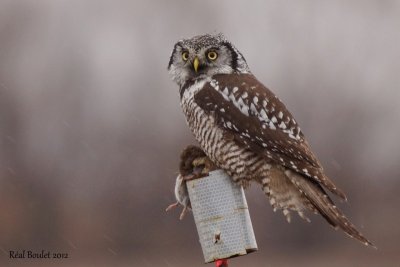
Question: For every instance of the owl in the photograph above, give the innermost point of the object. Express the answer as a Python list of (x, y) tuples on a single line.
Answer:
[(248, 132)]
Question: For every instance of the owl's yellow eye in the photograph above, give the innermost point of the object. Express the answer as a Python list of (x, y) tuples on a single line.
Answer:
[(185, 56), (212, 55)]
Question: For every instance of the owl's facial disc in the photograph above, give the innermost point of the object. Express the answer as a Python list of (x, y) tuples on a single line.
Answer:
[(203, 56), (190, 63)]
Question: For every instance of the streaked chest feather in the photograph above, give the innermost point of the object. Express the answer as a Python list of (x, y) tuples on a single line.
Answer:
[(225, 153), (201, 124)]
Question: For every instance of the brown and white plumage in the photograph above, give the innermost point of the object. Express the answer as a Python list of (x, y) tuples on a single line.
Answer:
[(247, 131)]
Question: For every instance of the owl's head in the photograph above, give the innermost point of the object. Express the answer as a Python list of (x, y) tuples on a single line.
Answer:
[(204, 56)]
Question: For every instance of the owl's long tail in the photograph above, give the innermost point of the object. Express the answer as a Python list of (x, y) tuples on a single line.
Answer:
[(325, 206)]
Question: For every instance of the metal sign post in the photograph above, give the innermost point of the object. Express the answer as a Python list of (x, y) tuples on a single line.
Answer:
[(222, 217)]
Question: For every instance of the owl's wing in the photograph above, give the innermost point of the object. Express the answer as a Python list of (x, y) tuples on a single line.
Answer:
[(244, 107)]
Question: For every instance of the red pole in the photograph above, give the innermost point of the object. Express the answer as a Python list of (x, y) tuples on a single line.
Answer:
[(221, 263)]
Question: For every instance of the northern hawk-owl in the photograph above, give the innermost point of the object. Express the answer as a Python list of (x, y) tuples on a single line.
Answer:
[(248, 132)]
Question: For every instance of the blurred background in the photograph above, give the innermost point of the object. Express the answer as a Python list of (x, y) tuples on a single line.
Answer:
[(91, 128)]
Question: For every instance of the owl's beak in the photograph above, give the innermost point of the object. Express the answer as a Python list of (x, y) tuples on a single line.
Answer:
[(196, 63)]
